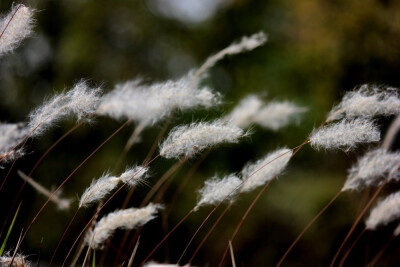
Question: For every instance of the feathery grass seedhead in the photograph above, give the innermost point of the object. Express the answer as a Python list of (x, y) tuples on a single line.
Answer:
[(247, 43), (104, 185), (121, 219), (81, 101), (263, 170), (151, 103), (385, 212), (216, 189), (345, 135), (371, 169), (276, 115), (188, 140), (367, 101), (243, 114), (11, 135), (18, 261), (18, 29)]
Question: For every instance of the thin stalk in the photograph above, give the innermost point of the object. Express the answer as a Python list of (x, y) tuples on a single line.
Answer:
[(133, 253), (351, 248), (374, 261), (160, 182), (69, 176), (62, 237), (82, 244), (166, 236), (232, 254), (241, 221), (307, 227), (138, 130), (353, 227), (34, 168)]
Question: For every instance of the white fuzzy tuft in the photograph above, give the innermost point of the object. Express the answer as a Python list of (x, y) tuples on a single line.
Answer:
[(120, 219), (385, 212), (276, 115), (215, 190), (265, 169), (247, 43), (243, 114), (371, 168), (346, 134), (104, 185), (189, 140), (150, 103), (11, 135), (367, 102), (81, 101), (18, 29), (18, 261)]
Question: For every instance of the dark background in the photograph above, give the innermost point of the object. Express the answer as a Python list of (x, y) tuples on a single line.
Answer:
[(316, 51)]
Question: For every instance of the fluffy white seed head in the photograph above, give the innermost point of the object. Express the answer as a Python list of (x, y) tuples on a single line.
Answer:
[(247, 43), (345, 135), (189, 140), (276, 115), (243, 114), (147, 104), (150, 103), (18, 261), (107, 183), (371, 168), (81, 101), (11, 135), (18, 29), (120, 219), (265, 169), (367, 102), (215, 190), (385, 212)]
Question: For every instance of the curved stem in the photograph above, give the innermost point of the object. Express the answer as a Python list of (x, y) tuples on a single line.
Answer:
[(351, 248), (307, 227)]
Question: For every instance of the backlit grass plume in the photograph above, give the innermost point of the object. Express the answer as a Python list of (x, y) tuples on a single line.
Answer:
[(385, 212), (345, 135), (18, 261), (11, 135), (372, 169), (367, 101), (18, 28), (81, 101), (273, 115), (217, 189), (188, 140), (263, 170), (104, 185), (148, 104), (120, 219)]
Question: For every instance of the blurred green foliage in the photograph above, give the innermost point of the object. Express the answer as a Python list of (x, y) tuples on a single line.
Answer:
[(316, 51)]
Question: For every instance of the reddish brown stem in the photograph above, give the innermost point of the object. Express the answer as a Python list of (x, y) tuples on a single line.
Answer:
[(353, 227), (307, 227), (15, 12), (69, 176), (351, 248)]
